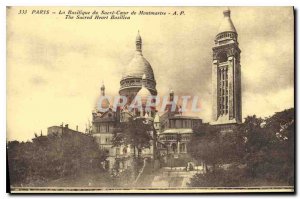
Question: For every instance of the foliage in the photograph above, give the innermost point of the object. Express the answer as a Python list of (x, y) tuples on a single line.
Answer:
[(54, 157), (212, 147), (135, 133), (269, 150), (264, 146), (124, 178), (232, 177)]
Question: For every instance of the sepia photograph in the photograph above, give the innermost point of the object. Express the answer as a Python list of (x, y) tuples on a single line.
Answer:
[(150, 99)]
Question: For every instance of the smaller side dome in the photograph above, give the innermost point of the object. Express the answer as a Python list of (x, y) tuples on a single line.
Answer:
[(102, 104), (144, 93), (104, 101)]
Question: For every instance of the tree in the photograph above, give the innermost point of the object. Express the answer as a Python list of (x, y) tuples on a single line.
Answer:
[(205, 146), (269, 147), (260, 152), (58, 158), (135, 133), (281, 129), (256, 144)]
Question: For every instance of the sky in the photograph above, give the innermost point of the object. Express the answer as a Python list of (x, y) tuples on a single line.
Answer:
[(55, 67)]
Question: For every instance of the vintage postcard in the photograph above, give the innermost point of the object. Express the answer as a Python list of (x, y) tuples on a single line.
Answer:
[(150, 99)]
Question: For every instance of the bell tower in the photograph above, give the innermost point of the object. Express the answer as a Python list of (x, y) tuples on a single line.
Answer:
[(226, 75)]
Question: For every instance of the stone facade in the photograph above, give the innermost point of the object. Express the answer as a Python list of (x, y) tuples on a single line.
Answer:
[(226, 75), (173, 131)]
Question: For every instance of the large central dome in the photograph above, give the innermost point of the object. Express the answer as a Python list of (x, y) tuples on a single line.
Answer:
[(139, 66), (131, 81)]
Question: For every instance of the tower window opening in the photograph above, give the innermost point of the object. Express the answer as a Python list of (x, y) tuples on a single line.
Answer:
[(223, 84), (223, 57)]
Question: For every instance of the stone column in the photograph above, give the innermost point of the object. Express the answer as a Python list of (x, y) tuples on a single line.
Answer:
[(215, 87), (231, 87), (237, 90)]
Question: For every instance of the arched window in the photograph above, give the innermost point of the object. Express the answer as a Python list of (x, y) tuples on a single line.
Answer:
[(222, 57)]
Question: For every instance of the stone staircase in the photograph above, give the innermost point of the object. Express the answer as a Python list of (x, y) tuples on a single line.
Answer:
[(173, 177)]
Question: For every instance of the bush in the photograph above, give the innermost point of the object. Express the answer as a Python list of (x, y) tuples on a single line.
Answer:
[(54, 158), (233, 177)]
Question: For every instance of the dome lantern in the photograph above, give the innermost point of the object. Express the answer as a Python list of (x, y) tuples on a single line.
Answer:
[(171, 95), (138, 42), (226, 24), (226, 13), (102, 89), (227, 31)]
